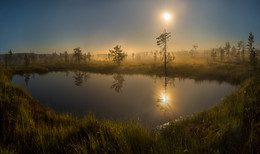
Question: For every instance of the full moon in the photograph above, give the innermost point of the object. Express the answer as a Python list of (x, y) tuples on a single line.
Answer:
[(166, 16)]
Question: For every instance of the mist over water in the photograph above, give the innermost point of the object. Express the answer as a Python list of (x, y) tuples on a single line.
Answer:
[(122, 97)]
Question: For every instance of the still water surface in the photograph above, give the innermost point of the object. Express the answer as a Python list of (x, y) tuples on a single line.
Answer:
[(123, 97)]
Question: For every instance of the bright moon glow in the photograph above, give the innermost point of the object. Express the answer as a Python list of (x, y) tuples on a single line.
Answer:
[(167, 16)]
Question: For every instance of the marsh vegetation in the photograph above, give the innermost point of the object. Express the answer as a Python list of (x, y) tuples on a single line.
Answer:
[(232, 126), (229, 127)]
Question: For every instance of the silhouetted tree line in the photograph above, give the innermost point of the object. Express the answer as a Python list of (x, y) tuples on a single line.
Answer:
[(238, 53), (27, 59)]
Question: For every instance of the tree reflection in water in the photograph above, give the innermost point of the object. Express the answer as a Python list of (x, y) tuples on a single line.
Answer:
[(27, 78), (86, 77), (118, 82), (67, 73), (79, 76), (163, 102)]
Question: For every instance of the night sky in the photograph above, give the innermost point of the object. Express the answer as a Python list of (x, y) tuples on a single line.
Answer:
[(46, 26)]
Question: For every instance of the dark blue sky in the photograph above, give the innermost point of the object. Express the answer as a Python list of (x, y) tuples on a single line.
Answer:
[(98, 25)]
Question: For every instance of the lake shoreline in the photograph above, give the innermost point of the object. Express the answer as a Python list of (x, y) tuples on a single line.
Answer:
[(120, 96), (222, 72), (232, 126)]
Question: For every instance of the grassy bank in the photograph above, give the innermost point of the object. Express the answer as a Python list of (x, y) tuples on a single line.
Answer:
[(27, 127), (231, 127)]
